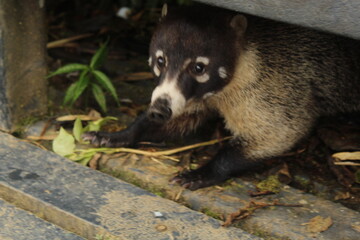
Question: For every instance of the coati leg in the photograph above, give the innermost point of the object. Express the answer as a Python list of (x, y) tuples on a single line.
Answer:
[(147, 127), (142, 129), (227, 163)]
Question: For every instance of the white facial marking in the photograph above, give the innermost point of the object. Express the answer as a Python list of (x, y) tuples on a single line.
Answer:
[(150, 61), (159, 53), (207, 95), (156, 71), (203, 78), (222, 72), (203, 60), (170, 89)]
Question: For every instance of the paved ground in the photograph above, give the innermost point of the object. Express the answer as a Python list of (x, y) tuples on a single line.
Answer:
[(87, 203), (279, 222)]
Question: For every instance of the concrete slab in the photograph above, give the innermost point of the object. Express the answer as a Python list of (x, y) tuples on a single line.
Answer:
[(90, 203), (278, 222), (17, 224), (340, 17)]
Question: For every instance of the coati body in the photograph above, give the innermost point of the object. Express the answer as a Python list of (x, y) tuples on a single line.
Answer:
[(269, 81)]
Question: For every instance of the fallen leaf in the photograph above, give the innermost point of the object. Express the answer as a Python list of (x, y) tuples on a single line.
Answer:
[(318, 224), (68, 118), (64, 143), (250, 208), (356, 226), (347, 156), (342, 195), (94, 162), (78, 129)]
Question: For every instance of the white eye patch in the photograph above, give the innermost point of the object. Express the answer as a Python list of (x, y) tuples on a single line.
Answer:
[(222, 72), (150, 61), (203, 60), (203, 78), (159, 53)]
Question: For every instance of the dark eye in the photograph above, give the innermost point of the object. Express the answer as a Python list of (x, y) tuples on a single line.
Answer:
[(160, 62), (199, 68)]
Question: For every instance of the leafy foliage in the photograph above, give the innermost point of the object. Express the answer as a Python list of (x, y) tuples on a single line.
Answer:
[(90, 79), (64, 143)]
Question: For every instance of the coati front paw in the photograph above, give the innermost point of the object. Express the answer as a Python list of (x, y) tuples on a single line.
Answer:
[(103, 139), (196, 179)]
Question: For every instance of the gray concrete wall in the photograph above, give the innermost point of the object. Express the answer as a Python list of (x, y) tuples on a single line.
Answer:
[(336, 16), (23, 88)]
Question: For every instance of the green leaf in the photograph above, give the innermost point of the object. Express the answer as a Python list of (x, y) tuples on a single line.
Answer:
[(64, 143), (98, 59), (69, 93), (105, 82), (72, 67), (81, 85), (99, 96), (85, 161), (76, 89), (78, 129), (96, 125)]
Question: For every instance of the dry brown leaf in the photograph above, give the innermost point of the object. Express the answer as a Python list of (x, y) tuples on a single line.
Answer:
[(347, 156), (74, 117), (342, 195), (94, 162), (356, 226), (318, 224), (38, 138), (250, 208)]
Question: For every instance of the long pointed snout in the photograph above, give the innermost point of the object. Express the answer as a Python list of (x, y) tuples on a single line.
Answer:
[(160, 110)]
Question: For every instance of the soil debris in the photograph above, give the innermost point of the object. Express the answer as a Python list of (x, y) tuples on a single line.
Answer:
[(318, 224), (250, 208)]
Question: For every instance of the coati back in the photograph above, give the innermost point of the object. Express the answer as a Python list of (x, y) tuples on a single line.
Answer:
[(269, 81)]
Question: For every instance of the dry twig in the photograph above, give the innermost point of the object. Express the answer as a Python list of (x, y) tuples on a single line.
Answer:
[(62, 42), (250, 208), (153, 154)]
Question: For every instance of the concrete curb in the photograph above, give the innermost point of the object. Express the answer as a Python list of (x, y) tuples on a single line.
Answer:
[(90, 203), (17, 224)]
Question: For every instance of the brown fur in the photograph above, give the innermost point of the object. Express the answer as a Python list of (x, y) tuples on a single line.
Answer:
[(285, 78)]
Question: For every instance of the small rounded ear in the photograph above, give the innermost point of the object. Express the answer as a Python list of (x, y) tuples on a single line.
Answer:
[(164, 10), (239, 23)]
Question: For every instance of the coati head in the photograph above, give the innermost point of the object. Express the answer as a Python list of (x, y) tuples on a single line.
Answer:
[(193, 54)]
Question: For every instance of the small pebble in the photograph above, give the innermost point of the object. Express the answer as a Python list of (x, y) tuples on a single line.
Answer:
[(161, 228), (158, 214)]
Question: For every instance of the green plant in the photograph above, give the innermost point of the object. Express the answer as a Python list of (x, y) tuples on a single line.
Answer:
[(90, 79), (64, 144)]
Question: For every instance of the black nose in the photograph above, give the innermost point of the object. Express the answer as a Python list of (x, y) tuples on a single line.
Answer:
[(160, 111)]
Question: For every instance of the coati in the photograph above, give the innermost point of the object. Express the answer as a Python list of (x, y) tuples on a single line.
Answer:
[(269, 81)]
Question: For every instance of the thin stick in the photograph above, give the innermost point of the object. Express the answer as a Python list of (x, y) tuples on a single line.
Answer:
[(153, 154), (61, 42), (250, 208)]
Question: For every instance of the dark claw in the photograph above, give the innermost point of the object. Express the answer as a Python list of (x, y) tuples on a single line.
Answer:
[(105, 142), (192, 180), (92, 137)]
